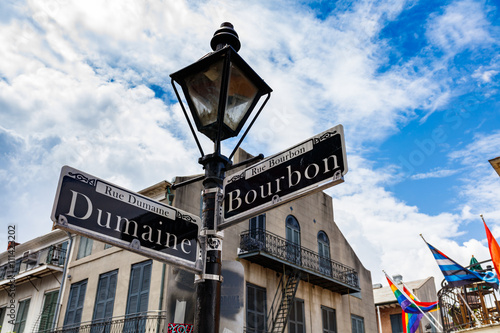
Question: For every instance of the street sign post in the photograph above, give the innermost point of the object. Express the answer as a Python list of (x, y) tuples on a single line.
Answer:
[(97, 209), (313, 165)]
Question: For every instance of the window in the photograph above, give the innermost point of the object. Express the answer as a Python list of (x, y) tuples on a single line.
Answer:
[(75, 303), (257, 223), (2, 316), (329, 320), (17, 268), (63, 247), (138, 296), (85, 247), (324, 253), (257, 227), (138, 293), (296, 321), (396, 323), (105, 297), (256, 309), (358, 324), (22, 313), (48, 310), (107, 246), (57, 254), (293, 240)]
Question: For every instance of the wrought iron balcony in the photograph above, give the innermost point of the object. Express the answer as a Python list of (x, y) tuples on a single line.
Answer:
[(53, 255), (469, 307), (147, 322), (274, 252)]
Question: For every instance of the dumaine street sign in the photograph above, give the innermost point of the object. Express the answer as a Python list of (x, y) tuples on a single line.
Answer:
[(313, 165), (97, 209)]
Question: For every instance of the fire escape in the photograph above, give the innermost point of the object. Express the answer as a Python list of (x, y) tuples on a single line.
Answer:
[(271, 251)]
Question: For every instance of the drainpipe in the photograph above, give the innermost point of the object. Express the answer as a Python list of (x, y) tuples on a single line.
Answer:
[(63, 282), (162, 286), (160, 305), (379, 322)]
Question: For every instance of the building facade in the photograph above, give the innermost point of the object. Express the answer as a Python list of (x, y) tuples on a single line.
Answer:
[(31, 280), (297, 271)]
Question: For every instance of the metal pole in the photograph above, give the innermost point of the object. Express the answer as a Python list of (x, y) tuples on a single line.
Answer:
[(208, 284), (379, 321)]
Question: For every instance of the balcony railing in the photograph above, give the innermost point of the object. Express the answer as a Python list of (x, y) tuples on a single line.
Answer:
[(148, 322), (259, 240), (468, 307), (52, 255)]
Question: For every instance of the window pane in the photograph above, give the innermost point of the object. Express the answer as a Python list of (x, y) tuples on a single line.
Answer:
[(261, 301), (396, 323), (329, 321), (296, 322), (256, 309), (85, 247), (251, 299), (357, 324)]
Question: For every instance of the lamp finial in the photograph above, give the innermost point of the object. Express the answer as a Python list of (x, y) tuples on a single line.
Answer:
[(225, 35)]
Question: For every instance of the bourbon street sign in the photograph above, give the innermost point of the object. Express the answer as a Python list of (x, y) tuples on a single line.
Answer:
[(310, 166), (94, 208)]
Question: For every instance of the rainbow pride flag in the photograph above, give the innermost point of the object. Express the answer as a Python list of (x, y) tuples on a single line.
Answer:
[(411, 320), (406, 304), (413, 310)]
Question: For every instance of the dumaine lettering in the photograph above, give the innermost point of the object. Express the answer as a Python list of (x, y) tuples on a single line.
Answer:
[(129, 227)]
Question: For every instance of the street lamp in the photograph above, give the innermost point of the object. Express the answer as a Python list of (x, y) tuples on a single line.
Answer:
[(221, 90)]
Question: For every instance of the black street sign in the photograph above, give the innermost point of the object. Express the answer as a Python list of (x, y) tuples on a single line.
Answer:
[(97, 209), (313, 165)]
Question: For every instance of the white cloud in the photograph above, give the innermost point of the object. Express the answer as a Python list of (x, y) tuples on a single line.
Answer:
[(74, 89), (462, 25), (435, 174), (484, 75)]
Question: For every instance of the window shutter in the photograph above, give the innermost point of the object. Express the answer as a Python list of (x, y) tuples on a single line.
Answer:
[(140, 280), (48, 310), (75, 304)]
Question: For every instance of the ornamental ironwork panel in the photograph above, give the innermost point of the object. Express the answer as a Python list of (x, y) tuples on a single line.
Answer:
[(148, 322), (261, 240)]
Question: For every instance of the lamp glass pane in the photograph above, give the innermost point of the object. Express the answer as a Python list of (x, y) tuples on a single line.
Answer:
[(204, 89), (241, 93)]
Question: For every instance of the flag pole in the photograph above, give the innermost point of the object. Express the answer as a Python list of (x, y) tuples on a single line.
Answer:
[(411, 301), (470, 310), (489, 248), (408, 289), (437, 322)]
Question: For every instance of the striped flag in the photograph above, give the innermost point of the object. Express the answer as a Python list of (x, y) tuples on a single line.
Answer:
[(458, 276)]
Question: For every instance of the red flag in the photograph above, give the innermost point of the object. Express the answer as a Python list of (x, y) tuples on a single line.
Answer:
[(494, 249)]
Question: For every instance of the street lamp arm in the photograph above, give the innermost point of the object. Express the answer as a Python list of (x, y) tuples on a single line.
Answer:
[(187, 182), (187, 118), (245, 162), (250, 126)]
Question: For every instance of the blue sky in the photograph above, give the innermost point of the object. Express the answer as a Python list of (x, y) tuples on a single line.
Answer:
[(414, 83)]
